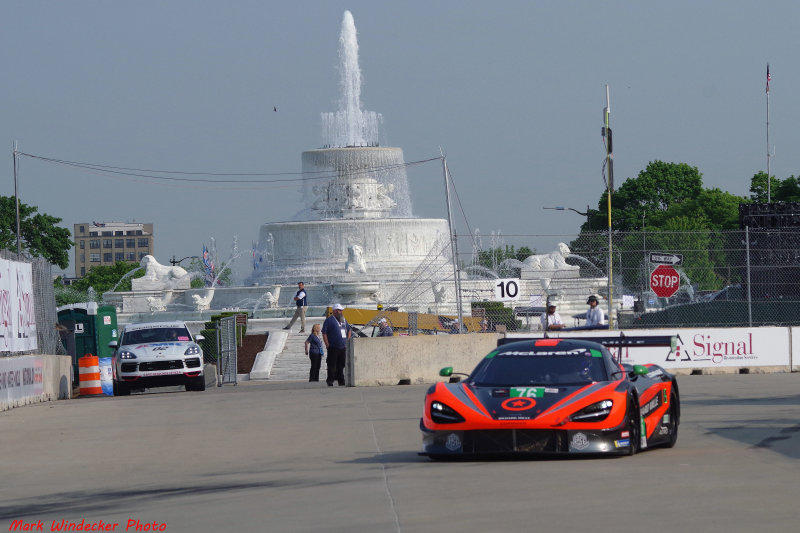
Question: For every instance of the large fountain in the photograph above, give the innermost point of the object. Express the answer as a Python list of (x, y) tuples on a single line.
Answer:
[(356, 229)]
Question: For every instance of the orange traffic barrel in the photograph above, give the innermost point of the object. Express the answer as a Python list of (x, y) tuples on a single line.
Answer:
[(89, 369)]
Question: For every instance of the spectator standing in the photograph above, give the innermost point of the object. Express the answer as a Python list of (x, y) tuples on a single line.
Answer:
[(314, 351), (335, 332), (301, 303), (385, 330)]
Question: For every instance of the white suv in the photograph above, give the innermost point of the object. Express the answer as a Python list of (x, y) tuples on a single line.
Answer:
[(157, 354)]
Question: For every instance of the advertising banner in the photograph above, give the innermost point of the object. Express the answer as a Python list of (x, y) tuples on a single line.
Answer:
[(21, 377), (705, 347), (17, 317)]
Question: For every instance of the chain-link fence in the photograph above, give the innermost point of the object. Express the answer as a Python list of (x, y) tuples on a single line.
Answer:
[(44, 306), (726, 278)]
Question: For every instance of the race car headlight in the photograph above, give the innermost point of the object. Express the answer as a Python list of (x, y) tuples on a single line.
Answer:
[(192, 350), (593, 413), (125, 354), (443, 414)]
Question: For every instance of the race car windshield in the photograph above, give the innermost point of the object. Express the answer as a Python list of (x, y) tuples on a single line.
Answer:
[(145, 336), (508, 370)]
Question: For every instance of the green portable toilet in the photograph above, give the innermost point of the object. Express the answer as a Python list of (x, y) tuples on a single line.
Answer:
[(87, 328)]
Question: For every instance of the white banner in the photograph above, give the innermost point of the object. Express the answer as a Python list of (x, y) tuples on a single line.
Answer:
[(21, 377), (704, 348), (17, 317)]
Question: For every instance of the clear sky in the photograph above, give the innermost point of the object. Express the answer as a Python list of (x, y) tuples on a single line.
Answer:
[(513, 92)]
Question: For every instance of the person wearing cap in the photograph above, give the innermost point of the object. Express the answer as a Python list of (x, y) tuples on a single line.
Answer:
[(300, 302), (594, 316), (385, 330), (335, 332), (551, 321)]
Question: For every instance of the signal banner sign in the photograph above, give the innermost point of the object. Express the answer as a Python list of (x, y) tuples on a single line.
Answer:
[(665, 281), (666, 259)]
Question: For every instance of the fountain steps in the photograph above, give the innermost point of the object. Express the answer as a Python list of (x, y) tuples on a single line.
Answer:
[(292, 364)]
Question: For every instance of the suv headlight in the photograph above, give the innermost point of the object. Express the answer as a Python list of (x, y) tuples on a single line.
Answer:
[(593, 413), (125, 354), (443, 414), (192, 350)]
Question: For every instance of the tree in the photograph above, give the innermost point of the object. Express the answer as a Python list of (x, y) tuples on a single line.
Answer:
[(656, 189), (103, 278), (39, 234), (787, 190), (493, 257)]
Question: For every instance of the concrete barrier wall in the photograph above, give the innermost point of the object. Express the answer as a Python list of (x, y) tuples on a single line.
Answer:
[(418, 359), (26, 379)]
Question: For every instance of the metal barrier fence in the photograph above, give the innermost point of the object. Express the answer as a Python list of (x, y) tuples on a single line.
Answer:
[(44, 305), (227, 361), (727, 278)]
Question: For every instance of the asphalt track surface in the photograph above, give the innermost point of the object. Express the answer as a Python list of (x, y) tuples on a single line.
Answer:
[(275, 457)]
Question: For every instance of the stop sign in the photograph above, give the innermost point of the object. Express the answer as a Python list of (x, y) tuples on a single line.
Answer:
[(665, 281)]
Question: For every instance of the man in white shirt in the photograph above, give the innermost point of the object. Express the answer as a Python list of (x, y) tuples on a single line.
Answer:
[(594, 316), (551, 321)]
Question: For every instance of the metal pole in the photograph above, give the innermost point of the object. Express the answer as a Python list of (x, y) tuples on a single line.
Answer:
[(749, 300), (769, 184), (609, 188), (16, 200), (453, 243)]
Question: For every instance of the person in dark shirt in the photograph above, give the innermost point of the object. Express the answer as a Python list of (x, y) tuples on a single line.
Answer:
[(300, 302), (335, 332)]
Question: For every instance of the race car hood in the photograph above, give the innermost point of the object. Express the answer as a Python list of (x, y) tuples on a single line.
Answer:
[(158, 350), (525, 402)]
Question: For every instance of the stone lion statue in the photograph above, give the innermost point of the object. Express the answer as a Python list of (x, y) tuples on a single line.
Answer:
[(550, 265), (154, 271), (157, 276), (355, 260)]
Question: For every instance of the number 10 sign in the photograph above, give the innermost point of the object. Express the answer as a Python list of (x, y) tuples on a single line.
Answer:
[(506, 289)]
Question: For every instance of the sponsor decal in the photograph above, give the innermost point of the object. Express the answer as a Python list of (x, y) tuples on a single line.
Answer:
[(161, 373), (622, 443), (453, 442), (526, 392), (625, 434), (651, 406), (518, 404), (663, 430), (579, 441)]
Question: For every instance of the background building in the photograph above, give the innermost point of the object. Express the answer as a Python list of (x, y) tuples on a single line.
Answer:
[(105, 243)]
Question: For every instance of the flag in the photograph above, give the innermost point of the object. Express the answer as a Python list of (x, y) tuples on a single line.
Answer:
[(768, 77)]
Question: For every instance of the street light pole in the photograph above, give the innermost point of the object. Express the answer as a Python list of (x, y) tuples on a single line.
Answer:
[(609, 162), (178, 261)]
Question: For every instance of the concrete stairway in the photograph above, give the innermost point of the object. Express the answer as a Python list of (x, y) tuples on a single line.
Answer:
[(292, 364)]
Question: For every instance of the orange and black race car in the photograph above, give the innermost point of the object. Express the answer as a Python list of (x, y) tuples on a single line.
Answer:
[(551, 396)]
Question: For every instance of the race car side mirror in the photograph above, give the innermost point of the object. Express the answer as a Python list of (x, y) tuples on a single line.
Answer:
[(640, 370), (112, 344), (446, 372), (199, 338)]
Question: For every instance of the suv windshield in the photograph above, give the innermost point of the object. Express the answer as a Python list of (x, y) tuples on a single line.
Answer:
[(510, 369), (145, 336)]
